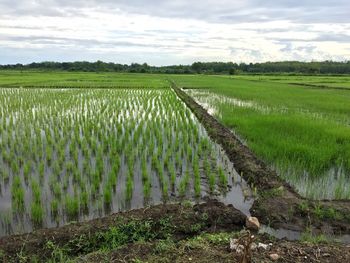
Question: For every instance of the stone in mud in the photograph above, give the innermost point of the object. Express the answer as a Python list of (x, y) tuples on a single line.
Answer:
[(252, 223), (274, 257)]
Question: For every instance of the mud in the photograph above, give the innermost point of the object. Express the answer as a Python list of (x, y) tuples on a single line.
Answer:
[(185, 220), (186, 244), (288, 252)]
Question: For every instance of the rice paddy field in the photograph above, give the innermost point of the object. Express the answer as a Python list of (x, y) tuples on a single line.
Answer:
[(77, 146), (301, 131), (82, 153)]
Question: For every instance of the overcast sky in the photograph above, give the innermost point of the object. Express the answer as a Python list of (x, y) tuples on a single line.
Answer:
[(164, 32)]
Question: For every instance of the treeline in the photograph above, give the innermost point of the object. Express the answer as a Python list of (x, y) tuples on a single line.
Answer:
[(293, 67)]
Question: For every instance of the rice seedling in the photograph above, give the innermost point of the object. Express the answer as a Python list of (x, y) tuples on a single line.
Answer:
[(36, 192), (212, 182), (26, 170), (107, 194), (54, 207), (129, 188), (71, 206), (222, 177), (84, 200), (184, 183), (146, 189), (17, 193), (37, 213)]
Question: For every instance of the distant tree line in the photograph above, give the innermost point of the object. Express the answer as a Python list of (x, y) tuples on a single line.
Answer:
[(292, 67)]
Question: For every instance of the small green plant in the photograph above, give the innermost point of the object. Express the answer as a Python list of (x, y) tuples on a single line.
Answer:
[(72, 206), (107, 194), (165, 246), (54, 207), (37, 213), (17, 193), (309, 237), (222, 177), (129, 188)]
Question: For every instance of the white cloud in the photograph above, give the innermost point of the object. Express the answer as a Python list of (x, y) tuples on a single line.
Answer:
[(171, 32)]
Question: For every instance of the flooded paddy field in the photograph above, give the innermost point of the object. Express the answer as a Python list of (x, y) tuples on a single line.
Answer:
[(328, 184), (73, 156), (78, 154), (302, 133)]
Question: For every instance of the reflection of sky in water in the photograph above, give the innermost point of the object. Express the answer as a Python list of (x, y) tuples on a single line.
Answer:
[(212, 102), (128, 107), (322, 187)]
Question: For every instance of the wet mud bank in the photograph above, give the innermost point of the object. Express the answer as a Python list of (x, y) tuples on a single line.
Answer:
[(161, 233), (158, 222), (277, 205)]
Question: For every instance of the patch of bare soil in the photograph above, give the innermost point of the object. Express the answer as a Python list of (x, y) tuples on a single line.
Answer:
[(202, 251)]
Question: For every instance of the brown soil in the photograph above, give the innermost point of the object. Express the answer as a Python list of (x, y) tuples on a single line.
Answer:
[(278, 204), (186, 243), (187, 221), (184, 251)]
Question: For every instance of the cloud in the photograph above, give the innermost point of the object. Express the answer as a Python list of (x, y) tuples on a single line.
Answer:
[(172, 32)]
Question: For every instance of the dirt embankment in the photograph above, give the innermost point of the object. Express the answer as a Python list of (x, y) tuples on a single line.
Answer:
[(278, 204), (176, 220), (162, 233)]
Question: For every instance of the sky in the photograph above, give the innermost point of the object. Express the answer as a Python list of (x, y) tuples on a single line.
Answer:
[(167, 32)]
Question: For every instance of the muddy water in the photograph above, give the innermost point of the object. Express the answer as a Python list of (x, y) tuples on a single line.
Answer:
[(293, 235), (238, 194)]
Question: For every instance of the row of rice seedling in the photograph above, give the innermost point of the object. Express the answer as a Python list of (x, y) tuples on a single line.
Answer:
[(81, 153)]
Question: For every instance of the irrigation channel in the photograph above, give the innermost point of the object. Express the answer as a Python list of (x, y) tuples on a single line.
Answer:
[(78, 154)]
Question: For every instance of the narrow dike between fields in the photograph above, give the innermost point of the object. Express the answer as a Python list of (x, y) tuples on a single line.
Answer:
[(281, 210)]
